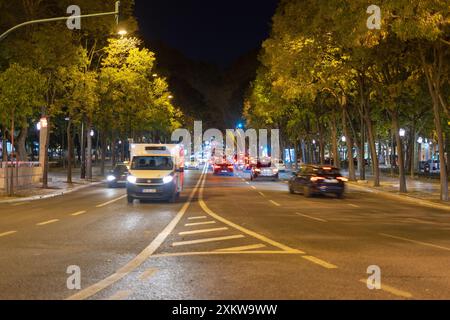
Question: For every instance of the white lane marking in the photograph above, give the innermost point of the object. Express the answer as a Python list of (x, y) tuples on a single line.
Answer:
[(4, 234), (183, 243), (147, 274), (199, 223), (262, 194), (238, 227), (109, 202), (197, 218), (275, 203), (141, 257), (243, 248), (253, 187), (415, 241), (320, 262), (392, 290), (47, 222), (120, 295), (313, 218), (202, 231), (354, 205), (19, 204), (78, 213)]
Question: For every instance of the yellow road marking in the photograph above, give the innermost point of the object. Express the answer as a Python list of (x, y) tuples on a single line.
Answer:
[(320, 262), (392, 290), (147, 274), (238, 227), (112, 201), (206, 253), (314, 218), (120, 295), (415, 241), (354, 205), (202, 231), (275, 203), (182, 243), (197, 218), (78, 213), (47, 222), (142, 256), (199, 223), (4, 234), (262, 194), (243, 248)]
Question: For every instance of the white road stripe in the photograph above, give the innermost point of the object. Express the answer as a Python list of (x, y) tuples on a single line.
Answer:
[(199, 223), (112, 201), (275, 203), (141, 257), (120, 295), (415, 241), (4, 234), (19, 204), (314, 218), (243, 248), (183, 243), (202, 231), (197, 218), (47, 222), (320, 262), (78, 213)]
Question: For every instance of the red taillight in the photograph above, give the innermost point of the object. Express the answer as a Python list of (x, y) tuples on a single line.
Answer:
[(343, 179), (315, 179), (230, 167), (216, 167)]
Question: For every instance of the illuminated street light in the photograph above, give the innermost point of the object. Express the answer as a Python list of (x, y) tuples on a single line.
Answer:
[(122, 33), (402, 132), (38, 126), (154, 75), (343, 139), (92, 133), (420, 140)]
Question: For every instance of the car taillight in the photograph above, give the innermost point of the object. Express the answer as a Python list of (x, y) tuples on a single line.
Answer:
[(230, 167), (315, 179), (343, 179), (216, 167)]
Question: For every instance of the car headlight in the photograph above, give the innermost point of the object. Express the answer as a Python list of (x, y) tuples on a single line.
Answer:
[(110, 178), (131, 179), (168, 179)]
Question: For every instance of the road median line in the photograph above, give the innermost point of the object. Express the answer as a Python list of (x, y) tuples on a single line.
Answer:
[(110, 202)]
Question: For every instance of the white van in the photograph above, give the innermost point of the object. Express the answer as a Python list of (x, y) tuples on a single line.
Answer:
[(156, 172)]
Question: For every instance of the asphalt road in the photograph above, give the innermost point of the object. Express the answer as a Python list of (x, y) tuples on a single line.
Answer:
[(226, 238)]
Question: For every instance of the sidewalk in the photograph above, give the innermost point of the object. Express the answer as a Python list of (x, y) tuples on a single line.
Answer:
[(420, 190), (57, 186)]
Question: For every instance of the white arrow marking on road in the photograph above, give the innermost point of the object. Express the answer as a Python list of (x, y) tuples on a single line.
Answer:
[(112, 201)]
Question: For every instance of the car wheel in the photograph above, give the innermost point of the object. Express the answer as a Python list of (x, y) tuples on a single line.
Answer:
[(307, 191), (130, 199)]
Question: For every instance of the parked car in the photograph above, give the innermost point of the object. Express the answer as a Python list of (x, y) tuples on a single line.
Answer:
[(317, 179)]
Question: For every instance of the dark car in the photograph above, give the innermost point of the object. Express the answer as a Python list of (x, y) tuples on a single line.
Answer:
[(223, 169), (317, 179), (264, 170), (118, 176)]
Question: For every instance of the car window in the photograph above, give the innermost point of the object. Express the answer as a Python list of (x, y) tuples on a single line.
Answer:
[(152, 163)]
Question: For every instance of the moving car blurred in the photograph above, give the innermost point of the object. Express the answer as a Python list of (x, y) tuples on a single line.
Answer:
[(263, 170), (117, 177), (192, 164), (317, 179), (223, 169), (281, 166)]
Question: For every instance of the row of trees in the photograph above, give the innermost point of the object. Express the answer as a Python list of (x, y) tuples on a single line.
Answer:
[(79, 80), (325, 74)]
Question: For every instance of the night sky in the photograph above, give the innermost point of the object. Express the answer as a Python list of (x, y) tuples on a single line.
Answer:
[(215, 31)]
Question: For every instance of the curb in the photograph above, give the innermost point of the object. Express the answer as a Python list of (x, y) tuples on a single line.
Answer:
[(52, 195), (406, 198)]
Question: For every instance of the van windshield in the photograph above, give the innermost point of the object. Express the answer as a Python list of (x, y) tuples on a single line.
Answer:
[(152, 163)]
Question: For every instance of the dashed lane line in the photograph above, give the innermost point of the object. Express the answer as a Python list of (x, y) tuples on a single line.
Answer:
[(261, 194), (109, 202), (275, 203), (354, 205), (79, 213), (183, 243), (199, 223), (243, 248), (253, 187), (320, 262), (184, 233), (4, 234), (415, 241), (392, 290), (47, 222), (309, 217), (141, 257)]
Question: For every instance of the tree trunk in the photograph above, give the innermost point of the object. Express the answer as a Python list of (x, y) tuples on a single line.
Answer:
[(83, 151), (349, 141), (401, 161), (4, 145), (334, 142), (45, 168), (69, 152), (89, 151), (103, 158), (20, 144), (113, 149)]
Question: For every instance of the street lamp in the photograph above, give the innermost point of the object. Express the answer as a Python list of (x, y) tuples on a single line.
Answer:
[(420, 140), (122, 33), (402, 132), (343, 139), (92, 133)]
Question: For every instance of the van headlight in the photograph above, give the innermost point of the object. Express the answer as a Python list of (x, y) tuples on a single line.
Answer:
[(167, 179), (110, 178), (131, 179)]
